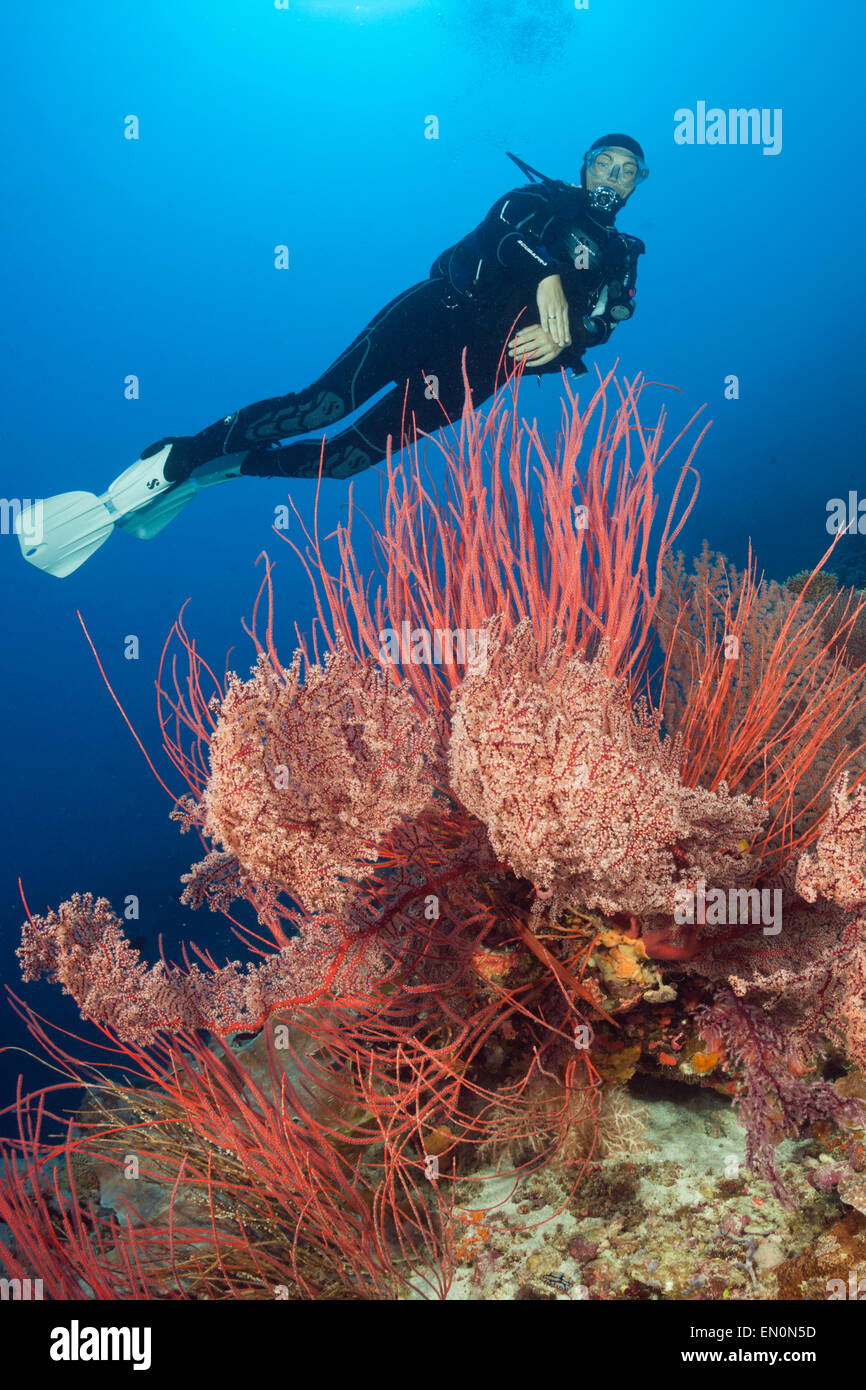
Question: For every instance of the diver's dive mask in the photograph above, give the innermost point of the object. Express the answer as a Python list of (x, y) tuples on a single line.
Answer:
[(627, 171)]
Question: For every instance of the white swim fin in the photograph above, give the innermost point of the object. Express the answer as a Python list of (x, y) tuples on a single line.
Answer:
[(59, 533)]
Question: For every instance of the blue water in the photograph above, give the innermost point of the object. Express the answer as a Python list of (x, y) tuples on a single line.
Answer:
[(305, 126)]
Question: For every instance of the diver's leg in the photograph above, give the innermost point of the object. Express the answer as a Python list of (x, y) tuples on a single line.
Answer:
[(349, 452), (395, 416), (345, 455), (375, 358)]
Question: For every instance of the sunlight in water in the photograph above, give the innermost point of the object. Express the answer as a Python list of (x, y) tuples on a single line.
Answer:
[(352, 10)]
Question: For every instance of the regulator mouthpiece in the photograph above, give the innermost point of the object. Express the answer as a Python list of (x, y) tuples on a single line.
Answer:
[(604, 200)]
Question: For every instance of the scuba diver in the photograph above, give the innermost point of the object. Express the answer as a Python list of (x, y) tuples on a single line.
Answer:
[(547, 250)]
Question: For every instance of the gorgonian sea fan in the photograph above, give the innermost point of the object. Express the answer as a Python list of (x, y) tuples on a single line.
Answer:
[(308, 776), (578, 791)]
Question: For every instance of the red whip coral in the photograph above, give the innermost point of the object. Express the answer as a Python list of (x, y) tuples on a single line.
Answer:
[(571, 537), (757, 696), (577, 790), (258, 1176), (306, 778)]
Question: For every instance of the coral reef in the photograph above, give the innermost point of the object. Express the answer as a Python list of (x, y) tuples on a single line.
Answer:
[(629, 841), (812, 586)]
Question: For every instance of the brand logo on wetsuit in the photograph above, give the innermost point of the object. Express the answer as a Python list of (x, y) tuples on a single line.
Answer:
[(535, 257)]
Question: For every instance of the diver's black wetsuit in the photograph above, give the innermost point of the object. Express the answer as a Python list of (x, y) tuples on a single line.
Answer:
[(476, 291)]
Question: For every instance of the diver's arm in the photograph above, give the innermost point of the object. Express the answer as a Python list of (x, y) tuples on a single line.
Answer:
[(542, 354), (512, 234), (553, 311), (534, 345), (570, 356)]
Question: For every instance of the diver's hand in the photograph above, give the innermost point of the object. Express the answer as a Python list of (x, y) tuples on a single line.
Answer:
[(553, 309), (533, 346)]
